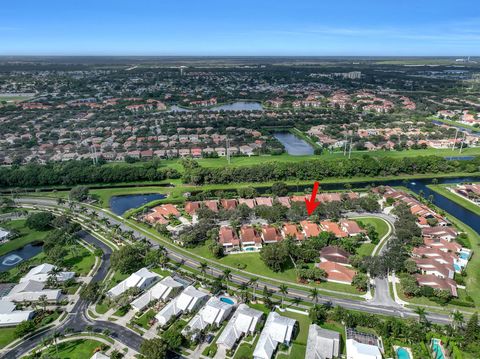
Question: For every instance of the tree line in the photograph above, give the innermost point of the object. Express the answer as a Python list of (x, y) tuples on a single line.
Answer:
[(82, 172), (365, 166)]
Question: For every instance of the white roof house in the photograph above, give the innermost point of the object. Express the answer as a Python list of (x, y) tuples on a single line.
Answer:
[(163, 290), (4, 234), (99, 355), (213, 312), (322, 343), (243, 322), (11, 317), (277, 330), (31, 291), (188, 301), (141, 279), (357, 350), (41, 272)]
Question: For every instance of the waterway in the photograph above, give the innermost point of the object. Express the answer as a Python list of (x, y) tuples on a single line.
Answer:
[(120, 204), (239, 106), (294, 145), (13, 258)]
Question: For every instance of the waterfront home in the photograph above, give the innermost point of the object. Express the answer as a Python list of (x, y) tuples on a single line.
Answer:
[(440, 232), (212, 205), (192, 207), (163, 290), (431, 266), (229, 203), (243, 322), (188, 301), (277, 330), (284, 201), (247, 201), (141, 279), (264, 201), (322, 343)]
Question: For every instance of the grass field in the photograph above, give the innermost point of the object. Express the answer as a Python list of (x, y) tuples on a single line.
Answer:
[(252, 263), (381, 227), (27, 236), (6, 336), (81, 260), (299, 342), (74, 349)]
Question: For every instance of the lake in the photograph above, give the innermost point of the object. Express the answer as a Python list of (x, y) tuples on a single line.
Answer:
[(13, 258), (239, 106), (120, 204), (294, 145)]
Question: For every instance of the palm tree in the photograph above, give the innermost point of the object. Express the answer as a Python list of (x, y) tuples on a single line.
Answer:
[(296, 301), (253, 282), (227, 276), (284, 290), (314, 294), (56, 335), (203, 268), (60, 201), (422, 314), (457, 319), (43, 301)]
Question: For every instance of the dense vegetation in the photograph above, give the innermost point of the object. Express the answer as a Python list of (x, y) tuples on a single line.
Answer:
[(82, 172), (366, 166)]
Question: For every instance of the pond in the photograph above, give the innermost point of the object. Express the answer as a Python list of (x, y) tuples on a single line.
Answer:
[(13, 258), (294, 145), (120, 204), (239, 106)]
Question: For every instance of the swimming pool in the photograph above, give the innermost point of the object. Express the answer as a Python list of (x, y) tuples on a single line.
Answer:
[(227, 300), (437, 349), (403, 353), (464, 254)]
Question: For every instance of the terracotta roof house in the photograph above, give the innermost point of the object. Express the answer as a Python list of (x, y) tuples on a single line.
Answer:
[(192, 207), (229, 203), (161, 213), (334, 254), (334, 228), (211, 205), (310, 229), (351, 227), (264, 201), (443, 245), (298, 198), (431, 266), (249, 237), (270, 234), (329, 197), (228, 239), (247, 201), (433, 281), (337, 272), (291, 230), (434, 253), (440, 232), (284, 201), (156, 218)]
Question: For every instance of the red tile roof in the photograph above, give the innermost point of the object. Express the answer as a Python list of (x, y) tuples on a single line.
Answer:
[(310, 229), (337, 272), (333, 227)]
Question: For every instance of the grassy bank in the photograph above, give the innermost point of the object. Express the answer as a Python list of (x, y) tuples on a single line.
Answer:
[(444, 191), (26, 236)]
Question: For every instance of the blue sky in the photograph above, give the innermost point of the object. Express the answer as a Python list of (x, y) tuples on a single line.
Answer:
[(207, 27)]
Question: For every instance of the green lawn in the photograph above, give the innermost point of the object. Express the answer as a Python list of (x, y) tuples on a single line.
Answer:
[(252, 263), (74, 349), (297, 351), (244, 350), (6, 336), (27, 236), (366, 249), (380, 225), (145, 319), (443, 190), (303, 321), (81, 260)]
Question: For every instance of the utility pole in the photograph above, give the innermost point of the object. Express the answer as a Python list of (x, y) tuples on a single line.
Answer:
[(227, 143), (350, 149), (463, 140), (455, 140), (345, 146)]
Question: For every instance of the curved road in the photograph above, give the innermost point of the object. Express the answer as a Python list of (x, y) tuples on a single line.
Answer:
[(77, 319), (375, 306)]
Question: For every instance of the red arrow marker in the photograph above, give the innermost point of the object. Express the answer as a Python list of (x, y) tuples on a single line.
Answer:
[(311, 204)]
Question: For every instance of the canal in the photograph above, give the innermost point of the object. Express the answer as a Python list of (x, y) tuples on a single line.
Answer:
[(120, 204), (294, 145)]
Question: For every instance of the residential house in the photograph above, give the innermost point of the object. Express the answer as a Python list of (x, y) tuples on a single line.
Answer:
[(334, 254), (270, 234), (337, 272), (363, 345), (310, 229), (10, 316), (42, 272), (277, 330), (228, 239), (264, 201), (141, 279), (334, 228), (249, 238), (192, 207), (163, 290), (188, 301), (351, 228), (229, 203), (243, 322), (290, 230), (436, 282), (322, 343), (247, 201), (211, 205)]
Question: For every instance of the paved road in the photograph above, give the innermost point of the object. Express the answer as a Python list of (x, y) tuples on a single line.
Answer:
[(77, 319), (384, 307)]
